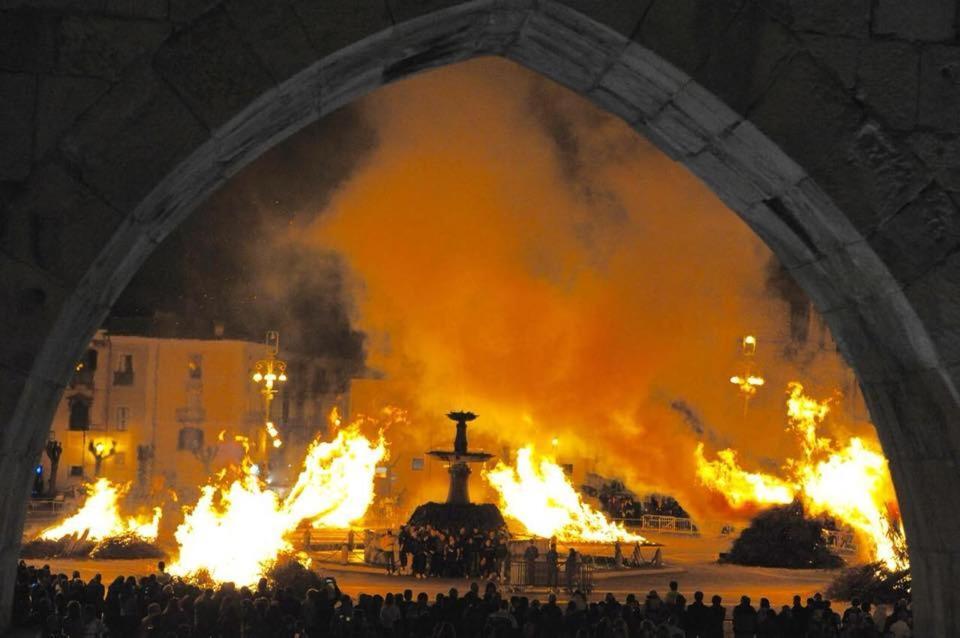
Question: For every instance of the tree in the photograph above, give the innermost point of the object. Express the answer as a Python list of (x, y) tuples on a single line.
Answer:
[(101, 451), (53, 450), (783, 536)]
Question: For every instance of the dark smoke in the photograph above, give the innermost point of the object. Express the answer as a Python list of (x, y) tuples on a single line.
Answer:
[(232, 262), (694, 422)]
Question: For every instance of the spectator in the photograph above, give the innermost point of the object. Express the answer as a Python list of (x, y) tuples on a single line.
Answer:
[(744, 619)]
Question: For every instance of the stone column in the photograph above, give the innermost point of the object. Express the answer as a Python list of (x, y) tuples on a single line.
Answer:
[(459, 493)]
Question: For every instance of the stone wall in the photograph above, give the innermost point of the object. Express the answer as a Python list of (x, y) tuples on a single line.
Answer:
[(832, 128)]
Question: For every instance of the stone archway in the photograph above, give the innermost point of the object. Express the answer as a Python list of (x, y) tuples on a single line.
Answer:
[(755, 100)]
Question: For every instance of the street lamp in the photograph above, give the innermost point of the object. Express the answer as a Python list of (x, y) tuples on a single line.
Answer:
[(268, 373), (748, 382)]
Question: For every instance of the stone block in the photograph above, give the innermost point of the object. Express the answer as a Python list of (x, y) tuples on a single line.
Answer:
[(566, 48), (936, 299), (638, 85), (757, 158), (920, 235), (940, 153), (32, 300), (28, 41), (153, 9), (403, 10), (930, 21), (824, 224), (275, 33), (212, 69), (623, 17), (183, 11), (810, 117), (883, 173), (791, 248), (431, 41), (685, 32), (746, 56), (734, 189), (60, 225), (692, 119), (332, 24), (102, 47), (350, 75), (940, 88), (888, 82), (61, 99), (271, 118), (17, 98), (838, 54), (138, 133), (850, 17)]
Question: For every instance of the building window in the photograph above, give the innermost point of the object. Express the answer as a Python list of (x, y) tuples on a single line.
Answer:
[(79, 412), (123, 375), (76, 470), (190, 439), (195, 366), (85, 369), (123, 415)]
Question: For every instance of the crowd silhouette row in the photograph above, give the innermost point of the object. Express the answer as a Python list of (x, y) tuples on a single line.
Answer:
[(159, 606)]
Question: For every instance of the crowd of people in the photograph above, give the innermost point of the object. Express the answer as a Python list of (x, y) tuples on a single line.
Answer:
[(158, 606), (427, 551)]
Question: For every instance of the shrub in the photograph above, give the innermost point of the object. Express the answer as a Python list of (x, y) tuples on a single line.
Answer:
[(126, 546), (288, 572), (873, 582), (68, 546), (783, 536)]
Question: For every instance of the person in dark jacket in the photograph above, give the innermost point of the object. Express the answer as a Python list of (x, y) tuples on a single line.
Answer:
[(744, 619)]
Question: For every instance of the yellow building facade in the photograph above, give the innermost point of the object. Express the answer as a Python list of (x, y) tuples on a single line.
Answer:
[(161, 405)]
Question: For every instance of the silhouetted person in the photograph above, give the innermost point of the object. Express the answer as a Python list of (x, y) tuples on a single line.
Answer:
[(530, 555), (744, 619)]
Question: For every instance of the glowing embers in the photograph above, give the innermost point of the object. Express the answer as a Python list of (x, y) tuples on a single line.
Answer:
[(99, 517), (541, 497), (238, 528), (850, 483)]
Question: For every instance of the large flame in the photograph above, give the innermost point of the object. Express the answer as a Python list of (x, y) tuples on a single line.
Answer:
[(740, 486), (234, 532), (542, 499), (99, 516), (850, 483)]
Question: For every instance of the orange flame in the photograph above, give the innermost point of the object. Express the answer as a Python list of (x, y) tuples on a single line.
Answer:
[(850, 483), (233, 533), (99, 516), (542, 498)]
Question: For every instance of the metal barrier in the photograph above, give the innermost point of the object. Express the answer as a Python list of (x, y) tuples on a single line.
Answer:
[(521, 577), (45, 508), (664, 524)]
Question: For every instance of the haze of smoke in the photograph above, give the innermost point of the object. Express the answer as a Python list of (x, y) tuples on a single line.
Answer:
[(518, 253)]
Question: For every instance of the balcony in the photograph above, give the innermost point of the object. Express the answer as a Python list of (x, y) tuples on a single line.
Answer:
[(192, 414)]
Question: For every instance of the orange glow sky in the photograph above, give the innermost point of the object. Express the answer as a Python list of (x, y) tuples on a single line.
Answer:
[(517, 252)]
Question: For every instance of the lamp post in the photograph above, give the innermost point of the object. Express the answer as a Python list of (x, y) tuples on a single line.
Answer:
[(748, 382), (268, 373)]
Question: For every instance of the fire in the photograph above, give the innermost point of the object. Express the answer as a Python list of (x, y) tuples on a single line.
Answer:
[(234, 532), (541, 497), (99, 516), (740, 487), (850, 483)]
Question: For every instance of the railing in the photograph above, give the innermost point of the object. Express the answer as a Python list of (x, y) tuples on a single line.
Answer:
[(664, 524), (840, 541), (45, 508), (521, 577)]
